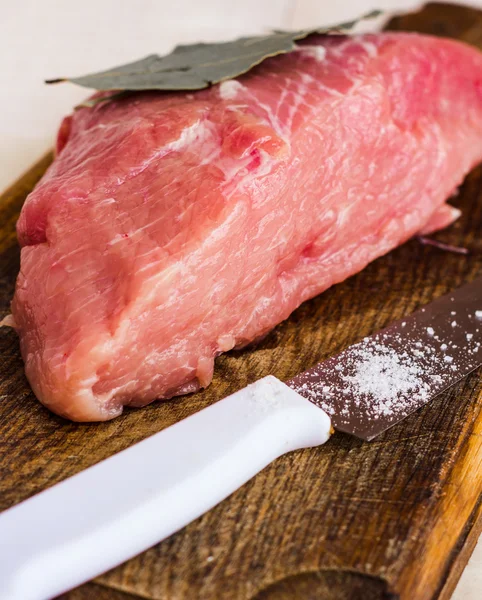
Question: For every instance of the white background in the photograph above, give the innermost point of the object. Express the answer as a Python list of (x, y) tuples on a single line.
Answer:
[(54, 38)]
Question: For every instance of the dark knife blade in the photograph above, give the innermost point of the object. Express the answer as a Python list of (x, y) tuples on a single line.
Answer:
[(372, 385)]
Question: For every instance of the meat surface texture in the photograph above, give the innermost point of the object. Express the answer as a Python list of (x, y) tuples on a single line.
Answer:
[(173, 227)]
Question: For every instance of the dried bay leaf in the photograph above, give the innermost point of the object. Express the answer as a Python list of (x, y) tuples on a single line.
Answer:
[(197, 66)]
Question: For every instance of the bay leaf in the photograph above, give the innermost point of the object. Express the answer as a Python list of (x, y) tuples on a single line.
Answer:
[(197, 66)]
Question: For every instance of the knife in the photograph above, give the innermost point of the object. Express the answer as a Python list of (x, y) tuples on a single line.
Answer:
[(101, 517)]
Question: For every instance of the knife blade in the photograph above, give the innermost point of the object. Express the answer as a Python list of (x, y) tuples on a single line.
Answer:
[(372, 385), (121, 506)]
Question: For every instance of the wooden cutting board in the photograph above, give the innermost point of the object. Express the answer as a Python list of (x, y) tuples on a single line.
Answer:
[(397, 517)]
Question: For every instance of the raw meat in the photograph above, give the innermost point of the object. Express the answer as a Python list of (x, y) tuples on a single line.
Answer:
[(173, 227)]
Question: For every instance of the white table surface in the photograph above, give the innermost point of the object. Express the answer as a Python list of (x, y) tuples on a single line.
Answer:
[(53, 38)]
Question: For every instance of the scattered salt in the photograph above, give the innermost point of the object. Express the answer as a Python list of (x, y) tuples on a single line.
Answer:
[(430, 330), (384, 377), (478, 314), (448, 359), (443, 347), (469, 336), (454, 323)]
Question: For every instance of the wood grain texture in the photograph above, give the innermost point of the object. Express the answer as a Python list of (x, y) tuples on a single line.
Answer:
[(395, 518)]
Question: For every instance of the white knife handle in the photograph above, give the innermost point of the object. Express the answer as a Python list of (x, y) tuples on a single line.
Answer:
[(114, 510)]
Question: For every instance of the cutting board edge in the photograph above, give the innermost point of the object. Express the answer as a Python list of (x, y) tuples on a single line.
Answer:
[(460, 541)]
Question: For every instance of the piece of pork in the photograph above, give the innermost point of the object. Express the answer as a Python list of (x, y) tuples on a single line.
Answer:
[(173, 227)]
